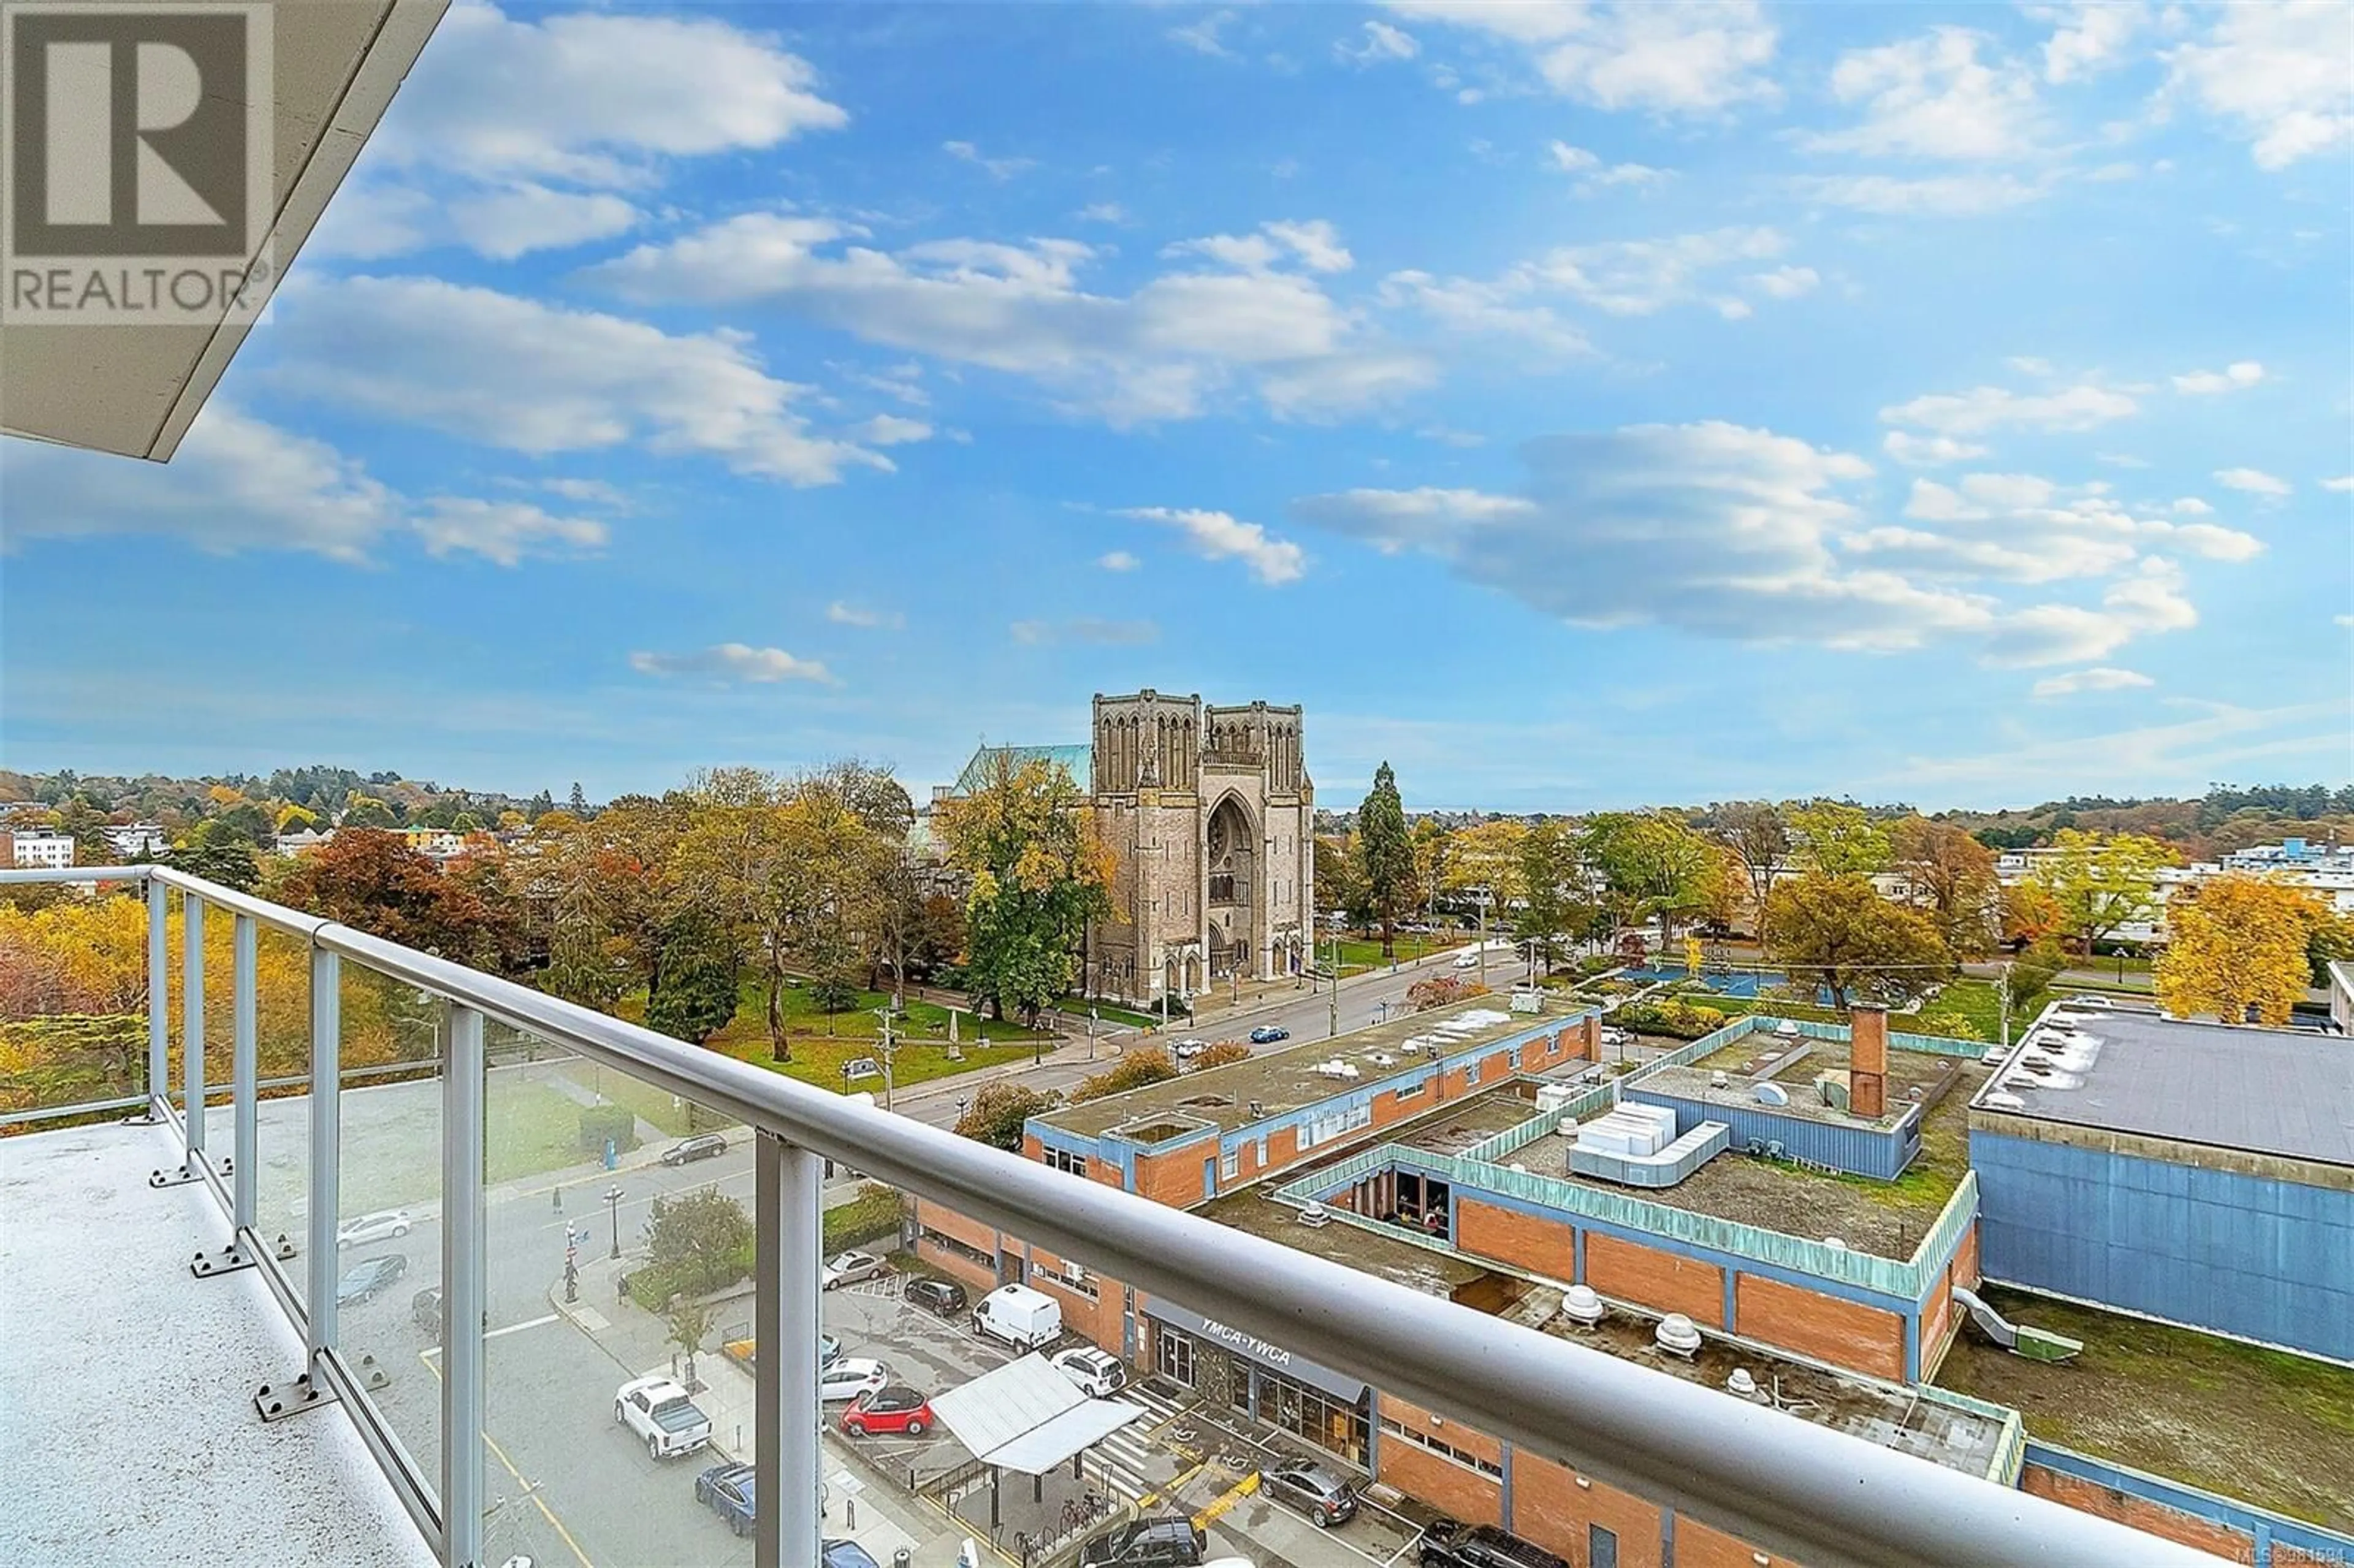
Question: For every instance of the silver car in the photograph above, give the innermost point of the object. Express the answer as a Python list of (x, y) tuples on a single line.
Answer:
[(386, 1225), (850, 1267)]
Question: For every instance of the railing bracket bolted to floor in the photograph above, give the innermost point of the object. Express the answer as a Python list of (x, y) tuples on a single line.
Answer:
[(372, 1374), (283, 1247), (228, 1260), (276, 1402), (187, 1171)]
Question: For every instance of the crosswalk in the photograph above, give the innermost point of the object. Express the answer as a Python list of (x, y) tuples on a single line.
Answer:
[(1128, 1455)]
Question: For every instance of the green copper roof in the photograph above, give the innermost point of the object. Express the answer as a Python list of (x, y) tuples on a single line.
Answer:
[(1079, 761)]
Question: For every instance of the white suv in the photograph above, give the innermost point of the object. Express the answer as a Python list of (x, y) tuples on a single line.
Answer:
[(365, 1228), (1096, 1373)]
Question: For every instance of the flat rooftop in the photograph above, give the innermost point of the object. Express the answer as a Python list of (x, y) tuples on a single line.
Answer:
[(1884, 1218), (1875, 1412), (2266, 1091), (1288, 1080), (2273, 1429)]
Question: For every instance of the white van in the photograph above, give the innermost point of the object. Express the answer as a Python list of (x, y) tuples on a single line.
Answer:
[(1022, 1317)]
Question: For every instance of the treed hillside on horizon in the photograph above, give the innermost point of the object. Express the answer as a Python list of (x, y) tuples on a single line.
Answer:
[(2227, 817)]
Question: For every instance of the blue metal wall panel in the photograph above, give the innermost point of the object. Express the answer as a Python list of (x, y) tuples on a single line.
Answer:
[(1862, 1151), (2249, 1255)]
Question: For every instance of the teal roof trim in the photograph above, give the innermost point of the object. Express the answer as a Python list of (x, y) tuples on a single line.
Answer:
[(1079, 761)]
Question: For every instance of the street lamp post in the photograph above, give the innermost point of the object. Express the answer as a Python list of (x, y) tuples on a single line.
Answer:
[(889, 1047), (613, 1207)]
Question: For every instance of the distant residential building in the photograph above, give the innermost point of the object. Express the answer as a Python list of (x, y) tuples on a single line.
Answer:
[(2291, 854), (435, 843), (135, 840), (43, 847), (309, 838)]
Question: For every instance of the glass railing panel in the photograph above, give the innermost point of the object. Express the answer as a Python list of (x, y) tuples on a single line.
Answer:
[(389, 1211), (619, 1244), (73, 1000)]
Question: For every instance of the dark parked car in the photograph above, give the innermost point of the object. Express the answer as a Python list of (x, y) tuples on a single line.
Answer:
[(943, 1296), (727, 1490), (1325, 1496), (1146, 1544), (369, 1278), (710, 1146), (848, 1554), (1269, 1033), (1451, 1544)]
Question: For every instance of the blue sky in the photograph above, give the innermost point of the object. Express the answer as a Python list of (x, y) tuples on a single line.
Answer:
[(1575, 404)]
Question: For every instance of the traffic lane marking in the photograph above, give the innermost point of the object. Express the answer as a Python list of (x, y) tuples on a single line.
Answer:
[(529, 1489)]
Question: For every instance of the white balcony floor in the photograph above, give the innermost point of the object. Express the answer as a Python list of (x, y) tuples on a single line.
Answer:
[(126, 1383)]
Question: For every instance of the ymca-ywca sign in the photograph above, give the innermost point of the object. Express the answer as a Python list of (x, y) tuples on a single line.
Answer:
[(1249, 1345), (135, 151)]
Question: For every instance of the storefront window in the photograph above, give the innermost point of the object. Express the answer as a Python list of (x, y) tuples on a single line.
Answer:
[(1311, 1413)]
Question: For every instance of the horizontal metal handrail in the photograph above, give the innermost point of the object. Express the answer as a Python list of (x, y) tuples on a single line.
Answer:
[(1769, 1478)]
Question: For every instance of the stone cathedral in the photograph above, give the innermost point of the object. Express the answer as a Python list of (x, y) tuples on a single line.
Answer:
[(1210, 813)]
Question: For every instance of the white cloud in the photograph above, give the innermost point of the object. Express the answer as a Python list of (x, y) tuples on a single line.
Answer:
[(2100, 678), (1201, 37), (1180, 345), (1087, 629), (2191, 506), (1699, 56), (2121, 460), (2341, 484), (1725, 531), (1937, 196), (1984, 408), (595, 491), (893, 430), (1713, 528), (1103, 212), (2089, 37), (733, 661), (514, 372), (1316, 242), (1118, 561), (2276, 73), (1932, 97), (1218, 536), (2230, 379), (593, 97), (241, 483), (1381, 44), (502, 112), (1785, 282), (1467, 306), (865, 617), (2030, 364), (1638, 277), (500, 531), (1596, 176), (505, 224), (1927, 452), (2253, 481), (995, 168)]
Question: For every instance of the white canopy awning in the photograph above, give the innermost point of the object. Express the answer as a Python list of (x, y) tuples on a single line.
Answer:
[(1027, 1417)]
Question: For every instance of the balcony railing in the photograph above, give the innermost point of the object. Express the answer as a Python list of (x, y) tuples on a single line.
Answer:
[(1781, 1483)]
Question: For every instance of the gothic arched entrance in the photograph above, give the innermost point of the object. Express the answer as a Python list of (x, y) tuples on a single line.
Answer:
[(1230, 855)]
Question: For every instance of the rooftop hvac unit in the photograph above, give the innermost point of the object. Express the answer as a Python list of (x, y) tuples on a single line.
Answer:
[(1835, 1243), (1677, 1335), (1740, 1383), (1717, 1080), (1773, 1095), (1582, 1306), (1315, 1214)]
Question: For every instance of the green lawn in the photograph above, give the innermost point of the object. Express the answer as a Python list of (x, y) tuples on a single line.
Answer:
[(1109, 1012), (1358, 954)]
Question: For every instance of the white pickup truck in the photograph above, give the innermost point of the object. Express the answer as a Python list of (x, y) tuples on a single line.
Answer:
[(659, 1411)]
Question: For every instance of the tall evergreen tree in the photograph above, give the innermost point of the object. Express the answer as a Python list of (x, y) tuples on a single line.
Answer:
[(1388, 852)]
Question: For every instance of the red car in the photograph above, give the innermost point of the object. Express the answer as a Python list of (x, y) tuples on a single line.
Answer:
[(891, 1409)]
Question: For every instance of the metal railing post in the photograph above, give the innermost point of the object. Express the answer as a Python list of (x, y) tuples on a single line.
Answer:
[(192, 1044), (192, 1022), (159, 998), (244, 1075), (463, 1291), (326, 1140), (786, 1413), (245, 1066)]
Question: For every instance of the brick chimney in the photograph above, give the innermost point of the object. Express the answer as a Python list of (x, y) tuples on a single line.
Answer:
[(1589, 1038), (1867, 1061)]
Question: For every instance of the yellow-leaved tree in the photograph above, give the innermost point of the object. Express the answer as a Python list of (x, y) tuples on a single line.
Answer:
[(2237, 949)]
